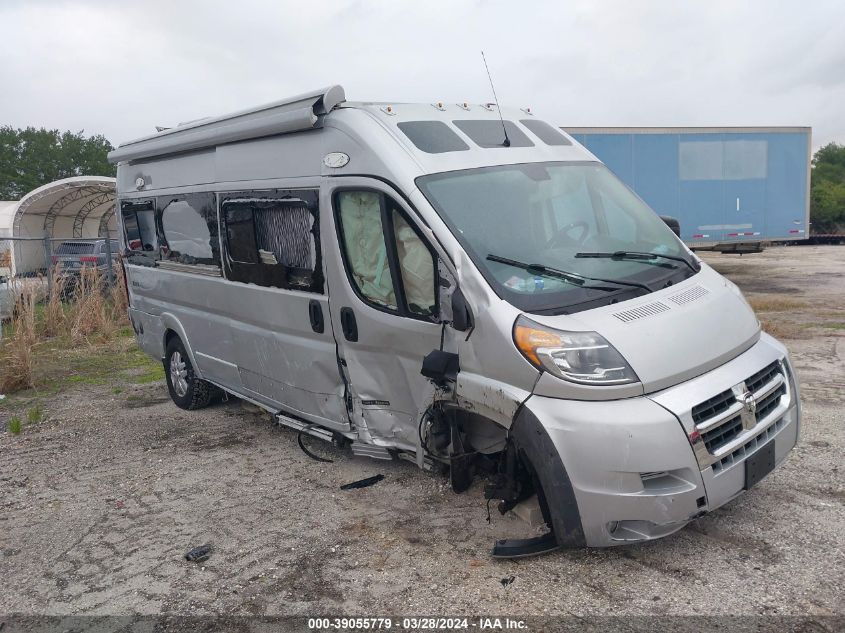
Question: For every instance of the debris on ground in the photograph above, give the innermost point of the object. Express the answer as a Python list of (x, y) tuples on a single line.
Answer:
[(507, 580), (198, 554), (362, 483), (305, 450)]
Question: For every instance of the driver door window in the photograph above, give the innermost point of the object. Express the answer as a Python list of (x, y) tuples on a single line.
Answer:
[(388, 263)]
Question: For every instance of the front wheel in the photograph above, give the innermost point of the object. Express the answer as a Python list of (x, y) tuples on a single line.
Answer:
[(186, 390)]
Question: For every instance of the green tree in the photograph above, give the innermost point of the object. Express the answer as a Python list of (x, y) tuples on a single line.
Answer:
[(827, 190), (33, 157)]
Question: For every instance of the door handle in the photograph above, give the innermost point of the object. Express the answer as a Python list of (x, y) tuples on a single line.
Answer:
[(315, 314), (348, 324)]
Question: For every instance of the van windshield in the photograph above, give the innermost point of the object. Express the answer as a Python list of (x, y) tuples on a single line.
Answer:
[(573, 217)]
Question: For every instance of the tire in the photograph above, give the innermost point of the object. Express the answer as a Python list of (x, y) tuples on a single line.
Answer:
[(186, 390)]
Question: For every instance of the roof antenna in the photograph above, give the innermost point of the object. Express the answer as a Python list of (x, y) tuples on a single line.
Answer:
[(507, 142)]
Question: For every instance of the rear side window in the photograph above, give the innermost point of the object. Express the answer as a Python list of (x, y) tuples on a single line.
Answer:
[(546, 132), (273, 241), (189, 227), (489, 133), (432, 137)]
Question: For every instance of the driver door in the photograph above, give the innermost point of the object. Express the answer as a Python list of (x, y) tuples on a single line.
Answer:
[(384, 305)]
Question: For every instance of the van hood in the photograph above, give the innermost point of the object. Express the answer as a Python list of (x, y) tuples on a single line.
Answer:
[(671, 335)]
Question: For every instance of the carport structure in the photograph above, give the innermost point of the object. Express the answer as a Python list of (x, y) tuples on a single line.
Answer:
[(77, 207)]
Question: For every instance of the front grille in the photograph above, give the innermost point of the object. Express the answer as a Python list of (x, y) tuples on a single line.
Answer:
[(749, 447), (720, 433), (770, 402), (713, 407), (765, 375), (75, 248)]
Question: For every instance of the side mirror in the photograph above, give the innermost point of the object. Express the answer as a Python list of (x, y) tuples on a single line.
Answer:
[(462, 318), (672, 223)]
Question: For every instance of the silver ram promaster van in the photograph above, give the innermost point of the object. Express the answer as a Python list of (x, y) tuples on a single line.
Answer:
[(457, 285)]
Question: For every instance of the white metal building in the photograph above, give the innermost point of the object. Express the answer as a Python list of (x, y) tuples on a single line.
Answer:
[(82, 206)]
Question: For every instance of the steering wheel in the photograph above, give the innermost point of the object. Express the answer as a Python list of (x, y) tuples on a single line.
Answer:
[(563, 233)]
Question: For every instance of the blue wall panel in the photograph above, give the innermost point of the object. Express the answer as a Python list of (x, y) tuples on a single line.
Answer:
[(615, 151), (655, 169), (786, 184), (699, 177)]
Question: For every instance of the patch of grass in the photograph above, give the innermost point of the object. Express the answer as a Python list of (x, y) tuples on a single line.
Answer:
[(117, 390), (84, 379), (14, 425), (775, 303), (35, 414), (59, 363), (834, 326), (152, 374)]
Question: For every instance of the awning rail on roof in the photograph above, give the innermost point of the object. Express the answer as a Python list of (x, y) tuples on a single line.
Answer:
[(280, 117)]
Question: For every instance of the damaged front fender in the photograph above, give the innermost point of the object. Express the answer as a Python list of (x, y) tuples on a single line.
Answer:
[(497, 401)]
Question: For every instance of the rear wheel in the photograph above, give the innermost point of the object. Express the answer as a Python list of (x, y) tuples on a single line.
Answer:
[(186, 390)]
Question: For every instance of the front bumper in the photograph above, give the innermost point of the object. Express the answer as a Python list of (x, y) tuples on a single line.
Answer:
[(634, 471)]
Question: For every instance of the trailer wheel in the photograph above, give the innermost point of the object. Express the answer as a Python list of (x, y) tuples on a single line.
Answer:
[(186, 390)]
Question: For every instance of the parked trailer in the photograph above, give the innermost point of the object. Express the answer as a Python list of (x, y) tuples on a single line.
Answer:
[(457, 284), (731, 188)]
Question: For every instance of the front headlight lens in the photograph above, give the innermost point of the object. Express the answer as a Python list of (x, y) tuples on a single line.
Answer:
[(583, 357)]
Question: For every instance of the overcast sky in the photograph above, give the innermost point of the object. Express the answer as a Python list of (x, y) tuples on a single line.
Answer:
[(120, 68)]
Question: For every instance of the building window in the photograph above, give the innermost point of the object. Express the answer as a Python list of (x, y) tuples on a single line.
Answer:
[(274, 240), (723, 160), (700, 160), (746, 160)]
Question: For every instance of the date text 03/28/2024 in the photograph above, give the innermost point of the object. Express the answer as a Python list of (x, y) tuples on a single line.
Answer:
[(419, 623)]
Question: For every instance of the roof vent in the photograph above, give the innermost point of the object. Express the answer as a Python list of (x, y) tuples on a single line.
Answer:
[(641, 312)]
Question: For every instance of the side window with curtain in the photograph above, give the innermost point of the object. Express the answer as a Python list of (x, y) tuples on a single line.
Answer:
[(272, 240), (388, 262), (139, 228), (189, 228)]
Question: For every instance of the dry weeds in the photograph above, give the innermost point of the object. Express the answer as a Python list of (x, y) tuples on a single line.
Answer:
[(82, 310), (91, 317), (118, 297), (16, 354), (775, 303), (781, 330), (55, 317)]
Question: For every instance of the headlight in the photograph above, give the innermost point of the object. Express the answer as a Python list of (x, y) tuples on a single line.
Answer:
[(583, 357)]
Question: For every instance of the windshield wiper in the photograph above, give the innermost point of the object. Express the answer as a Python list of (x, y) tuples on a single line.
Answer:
[(572, 278), (620, 255)]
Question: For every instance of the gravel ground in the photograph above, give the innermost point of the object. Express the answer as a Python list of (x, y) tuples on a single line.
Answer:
[(100, 501)]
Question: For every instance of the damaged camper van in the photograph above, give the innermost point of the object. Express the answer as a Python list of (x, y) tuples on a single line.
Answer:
[(458, 285)]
